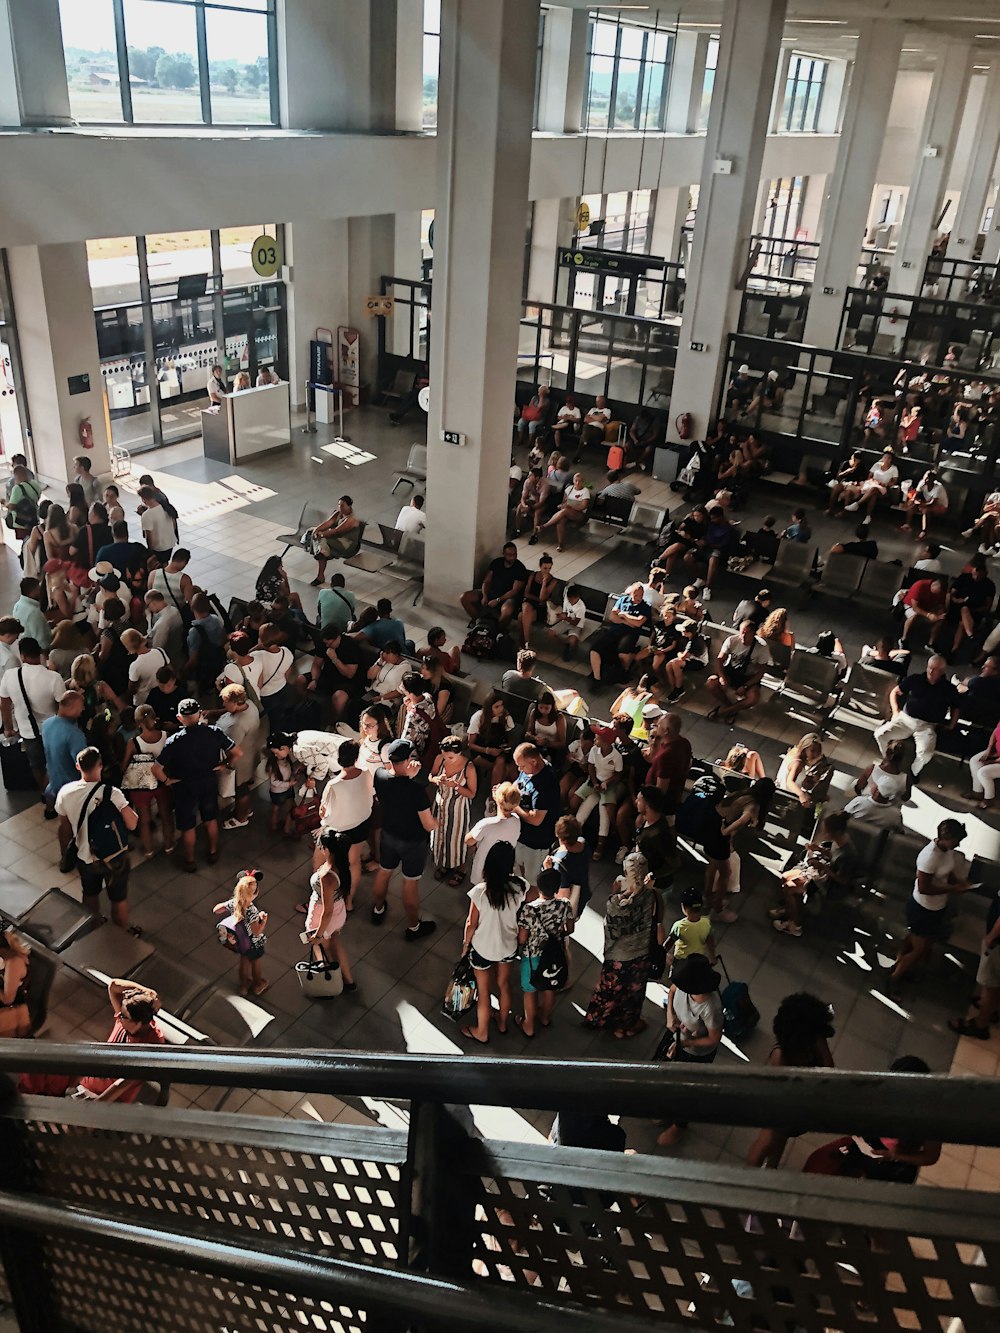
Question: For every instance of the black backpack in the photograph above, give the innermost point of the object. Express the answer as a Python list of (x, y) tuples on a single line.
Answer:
[(482, 638), (106, 831), (211, 659)]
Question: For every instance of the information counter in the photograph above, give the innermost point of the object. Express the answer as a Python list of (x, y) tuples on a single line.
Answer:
[(252, 422)]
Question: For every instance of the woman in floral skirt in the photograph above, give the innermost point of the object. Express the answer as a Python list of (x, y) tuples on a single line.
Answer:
[(633, 908)]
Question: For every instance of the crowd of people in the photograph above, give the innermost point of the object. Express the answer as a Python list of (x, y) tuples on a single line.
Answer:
[(145, 709)]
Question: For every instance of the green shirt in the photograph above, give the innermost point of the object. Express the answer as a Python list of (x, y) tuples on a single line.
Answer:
[(335, 606), (690, 936)]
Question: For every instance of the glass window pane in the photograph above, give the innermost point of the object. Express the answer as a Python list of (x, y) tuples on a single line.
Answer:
[(88, 32), (163, 45), (599, 99), (659, 43), (604, 37), (170, 255), (652, 97), (626, 95), (432, 53), (114, 269), (235, 244), (432, 15), (633, 40), (238, 68)]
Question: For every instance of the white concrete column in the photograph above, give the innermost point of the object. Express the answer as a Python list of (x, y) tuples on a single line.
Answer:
[(33, 86), (486, 98), (687, 80), (833, 96), (849, 193), (317, 294), (564, 58), (991, 245), (552, 225), (979, 172), (737, 128), (670, 209), (50, 285), (410, 65), (935, 145), (339, 62)]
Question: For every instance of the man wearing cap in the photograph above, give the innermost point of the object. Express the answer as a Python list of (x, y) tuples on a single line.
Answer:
[(920, 704), (941, 871), (740, 390), (694, 1016), (670, 756), (769, 393), (190, 763), (407, 825)]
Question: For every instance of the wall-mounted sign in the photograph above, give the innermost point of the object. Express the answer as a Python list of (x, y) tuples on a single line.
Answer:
[(265, 255), (583, 217), (379, 305), (79, 384), (607, 261)]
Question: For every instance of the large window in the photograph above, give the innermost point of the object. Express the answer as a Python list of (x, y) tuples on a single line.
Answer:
[(708, 82), (13, 415), (171, 62), (619, 221), (169, 306), (432, 60), (803, 94), (783, 211), (626, 77)]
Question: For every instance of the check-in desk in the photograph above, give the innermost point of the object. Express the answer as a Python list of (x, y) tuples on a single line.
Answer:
[(254, 421)]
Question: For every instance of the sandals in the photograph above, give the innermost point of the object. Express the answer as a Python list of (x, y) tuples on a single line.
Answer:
[(519, 1022), (471, 1036), (713, 713), (260, 987), (624, 1034), (455, 878), (599, 849)]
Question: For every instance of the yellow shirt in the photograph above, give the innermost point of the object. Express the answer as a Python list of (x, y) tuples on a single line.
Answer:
[(690, 936)]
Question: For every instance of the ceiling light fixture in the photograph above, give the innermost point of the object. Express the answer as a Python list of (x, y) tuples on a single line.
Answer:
[(825, 23)]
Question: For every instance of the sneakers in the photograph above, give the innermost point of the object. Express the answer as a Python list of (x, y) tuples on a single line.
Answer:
[(235, 823), (787, 928), (674, 695), (706, 595), (968, 533), (776, 913), (852, 508), (378, 915), (419, 931), (965, 1029), (620, 855)]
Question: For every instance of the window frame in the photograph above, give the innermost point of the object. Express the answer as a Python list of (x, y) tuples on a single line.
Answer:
[(801, 80), (642, 121)]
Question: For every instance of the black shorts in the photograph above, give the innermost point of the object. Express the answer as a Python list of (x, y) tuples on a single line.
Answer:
[(922, 921), (95, 877), (191, 801)]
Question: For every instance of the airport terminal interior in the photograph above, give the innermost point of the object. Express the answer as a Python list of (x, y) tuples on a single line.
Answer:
[(498, 609)]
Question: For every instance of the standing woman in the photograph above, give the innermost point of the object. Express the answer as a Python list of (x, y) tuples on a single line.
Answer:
[(345, 809), (456, 780), (538, 592), (375, 731), (326, 914), (57, 534), (139, 780), (491, 937), (436, 686), (76, 508), (802, 1030), (633, 915)]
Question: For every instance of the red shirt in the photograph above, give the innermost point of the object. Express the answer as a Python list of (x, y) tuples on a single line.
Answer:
[(671, 764), (919, 595), (150, 1036)]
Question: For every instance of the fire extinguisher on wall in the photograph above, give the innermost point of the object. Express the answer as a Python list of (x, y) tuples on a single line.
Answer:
[(86, 432), (685, 425)]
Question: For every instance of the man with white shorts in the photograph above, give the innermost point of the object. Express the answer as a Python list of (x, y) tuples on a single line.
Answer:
[(920, 704)]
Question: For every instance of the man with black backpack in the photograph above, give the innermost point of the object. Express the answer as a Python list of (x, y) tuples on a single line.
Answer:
[(206, 644), (95, 819)]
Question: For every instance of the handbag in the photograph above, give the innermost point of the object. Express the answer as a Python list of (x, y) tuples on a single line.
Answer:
[(306, 816), (319, 977), (461, 992)]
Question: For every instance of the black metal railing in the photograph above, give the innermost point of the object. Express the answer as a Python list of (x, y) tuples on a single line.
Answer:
[(930, 329), (119, 1217)]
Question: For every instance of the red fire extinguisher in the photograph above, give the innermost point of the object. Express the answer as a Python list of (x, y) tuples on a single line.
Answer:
[(86, 433), (685, 425)]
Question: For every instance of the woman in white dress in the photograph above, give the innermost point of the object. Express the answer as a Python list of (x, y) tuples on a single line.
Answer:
[(882, 788)]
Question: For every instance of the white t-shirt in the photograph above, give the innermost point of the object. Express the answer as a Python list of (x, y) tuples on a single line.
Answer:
[(576, 495), (389, 678), (9, 657), (167, 628), (603, 412), (168, 584), (158, 529), (496, 934), (488, 833), (411, 520), (933, 861), (883, 476), (577, 611), (215, 386), (570, 414), (272, 670), (234, 674), (654, 597), (142, 672), (605, 766), (69, 802), (348, 802), (933, 495), (476, 723), (44, 689)]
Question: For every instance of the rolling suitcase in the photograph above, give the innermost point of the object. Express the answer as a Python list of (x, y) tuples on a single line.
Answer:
[(739, 1013), (15, 769)]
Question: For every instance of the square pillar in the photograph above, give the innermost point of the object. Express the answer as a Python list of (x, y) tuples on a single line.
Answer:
[(564, 60), (979, 172), (50, 285), (935, 146), (687, 80), (317, 295), (737, 128), (33, 85), (848, 198), (552, 225), (484, 150), (670, 210)]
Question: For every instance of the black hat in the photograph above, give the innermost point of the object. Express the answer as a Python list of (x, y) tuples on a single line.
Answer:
[(695, 975)]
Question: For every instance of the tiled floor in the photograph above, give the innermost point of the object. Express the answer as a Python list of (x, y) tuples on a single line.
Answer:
[(230, 522)]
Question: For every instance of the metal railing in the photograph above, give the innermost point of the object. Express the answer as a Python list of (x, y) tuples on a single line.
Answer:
[(923, 328), (119, 1217)]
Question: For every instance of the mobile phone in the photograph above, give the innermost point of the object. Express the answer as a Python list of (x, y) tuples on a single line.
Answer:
[(306, 936)]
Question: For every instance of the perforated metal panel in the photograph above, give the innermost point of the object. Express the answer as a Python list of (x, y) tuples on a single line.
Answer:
[(743, 1258)]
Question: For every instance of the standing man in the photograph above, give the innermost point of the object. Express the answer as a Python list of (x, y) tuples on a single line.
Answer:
[(217, 386), (920, 704), (670, 757), (92, 489), (941, 871), (540, 805), (407, 824), (28, 610), (190, 762), (62, 740), (76, 804), (28, 696), (22, 500)]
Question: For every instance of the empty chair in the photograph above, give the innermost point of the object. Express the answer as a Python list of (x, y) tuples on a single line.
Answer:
[(811, 680), (645, 522), (614, 511), (842, 574), (415, 470), (402, 383), (311, 517), (663, 387), (864, 699), (793, 564), (867, 840), (391, 537), (880, 583)]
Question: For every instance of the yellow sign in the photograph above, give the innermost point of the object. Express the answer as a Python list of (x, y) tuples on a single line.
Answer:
[(379, 305), (583, 217), (266, 256)]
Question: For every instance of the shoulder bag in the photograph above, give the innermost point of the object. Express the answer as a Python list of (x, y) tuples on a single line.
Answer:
[(71, 855), (319, 976), (27, 704)]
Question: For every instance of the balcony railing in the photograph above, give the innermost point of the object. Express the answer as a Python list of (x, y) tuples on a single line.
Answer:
[(131, 1217)]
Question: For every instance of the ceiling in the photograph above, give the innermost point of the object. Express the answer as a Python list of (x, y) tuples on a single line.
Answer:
[(829, 28)]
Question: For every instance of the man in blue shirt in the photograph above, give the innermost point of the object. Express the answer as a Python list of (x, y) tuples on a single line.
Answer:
[(539, 808), (28, 610), (630, 614), (127, 557), (385, 629), (62, 740)]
